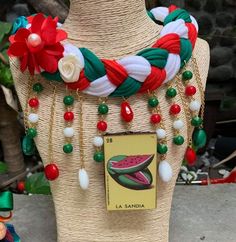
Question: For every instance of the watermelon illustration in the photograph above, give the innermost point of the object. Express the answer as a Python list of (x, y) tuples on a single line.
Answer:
[(129, 164), (131, 171)]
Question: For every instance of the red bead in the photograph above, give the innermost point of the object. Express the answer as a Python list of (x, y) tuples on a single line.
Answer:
[(21, 186), (126, 112), (69, 116), (34, 102), (102, 126), (175, 109), (51, 172), (190, 90), (190, 156), (155, 118)]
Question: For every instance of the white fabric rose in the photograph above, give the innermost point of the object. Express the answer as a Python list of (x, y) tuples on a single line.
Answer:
[(70, 67)]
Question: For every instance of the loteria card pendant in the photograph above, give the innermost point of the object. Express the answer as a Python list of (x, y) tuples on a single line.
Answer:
[(130, 171)]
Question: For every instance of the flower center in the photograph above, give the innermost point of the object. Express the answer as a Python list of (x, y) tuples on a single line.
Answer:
[(34, 40)]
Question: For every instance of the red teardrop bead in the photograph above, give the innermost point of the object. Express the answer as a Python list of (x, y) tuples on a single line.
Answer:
[(190, 90), (175, 109), (69, 116), (102, 126), (51, 172), (190, 156), (155, 118), (34, 102), (126, 112)]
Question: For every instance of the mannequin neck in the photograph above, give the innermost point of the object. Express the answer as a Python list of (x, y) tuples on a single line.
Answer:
[(110, 28)]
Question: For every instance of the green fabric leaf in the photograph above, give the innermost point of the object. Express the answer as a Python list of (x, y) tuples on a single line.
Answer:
[(129, 87), (156, 56), (52, 76), (3, 167), (37, 184), (178, 14), (94, 68)]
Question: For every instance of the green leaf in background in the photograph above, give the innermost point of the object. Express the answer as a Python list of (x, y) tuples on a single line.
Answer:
[(5, 76), (5, 28), (37, 184), (3, 167)]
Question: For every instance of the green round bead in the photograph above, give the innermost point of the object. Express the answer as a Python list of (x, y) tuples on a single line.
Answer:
[(153, 102), (103, 108), (178, 140), (98, 156), (68, 148), (187, 75), (171, 92), (68, 100), (162, 149), (38, 87), (32, 133), (196, 121)]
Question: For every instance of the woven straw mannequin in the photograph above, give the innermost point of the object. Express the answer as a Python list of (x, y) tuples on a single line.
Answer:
[(112, 29)]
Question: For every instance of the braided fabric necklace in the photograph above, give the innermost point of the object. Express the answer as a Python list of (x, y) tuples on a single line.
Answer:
[(37, 43)]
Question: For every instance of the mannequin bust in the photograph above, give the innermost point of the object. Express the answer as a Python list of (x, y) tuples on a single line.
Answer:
[(111, 29)]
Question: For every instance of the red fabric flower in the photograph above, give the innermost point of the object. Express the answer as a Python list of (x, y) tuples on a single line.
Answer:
[(39, 46)]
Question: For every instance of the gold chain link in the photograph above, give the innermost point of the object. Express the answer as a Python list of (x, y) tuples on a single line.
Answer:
[(51, 122)]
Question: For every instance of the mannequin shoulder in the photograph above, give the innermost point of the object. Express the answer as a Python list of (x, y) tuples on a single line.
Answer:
[(202, 54)]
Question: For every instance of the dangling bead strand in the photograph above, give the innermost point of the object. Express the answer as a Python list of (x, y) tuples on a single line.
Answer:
[(68, 117), (103, 110)]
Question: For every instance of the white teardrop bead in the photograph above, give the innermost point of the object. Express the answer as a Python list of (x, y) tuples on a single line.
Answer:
[(194, 106), (165, 171), (98, 141), (68, 132), (33, 118), (178, 124), (83, 179), (161, 133)]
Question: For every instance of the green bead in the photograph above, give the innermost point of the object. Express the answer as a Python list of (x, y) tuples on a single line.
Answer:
[(199, 138), (68, 100), (178, 140), (38, 87), (28, 145), (153, 102), (98, 156), (196, 121), (187, 75), (32, 133), (162, 149), (68, 148), (171, 92), (103, 109)]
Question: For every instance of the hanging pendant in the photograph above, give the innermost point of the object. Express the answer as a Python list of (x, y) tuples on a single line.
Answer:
[(199, 138), (126, 112), (51, 172), (83, 179), (165, 171), (28, 146), (190, 156)]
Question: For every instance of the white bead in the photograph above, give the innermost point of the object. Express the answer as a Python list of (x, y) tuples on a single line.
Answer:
[(83, 179), (68, 132), (178, 124), (33, 118), (165, 171), (98, 141), (194, 106), (34, 40), (161, 133)]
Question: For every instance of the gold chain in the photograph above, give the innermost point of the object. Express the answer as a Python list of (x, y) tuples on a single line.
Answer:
[(51, 122), (81, 135)]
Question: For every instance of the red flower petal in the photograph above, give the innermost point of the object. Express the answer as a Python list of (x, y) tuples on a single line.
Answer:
[(23, 62), (12, 39), (37, 23), (46, 61), (30, 18), (21, 35), (17, 49), (55, 19), (61, 35), (30, 64), (56, 49), (48, 31)]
